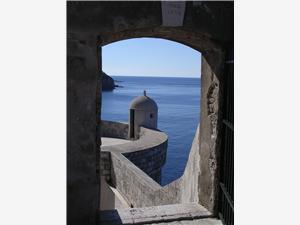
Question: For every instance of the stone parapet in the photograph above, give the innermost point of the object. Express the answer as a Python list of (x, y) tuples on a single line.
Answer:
[(150, 160), (148, 153), (135, 182), (114, 129)]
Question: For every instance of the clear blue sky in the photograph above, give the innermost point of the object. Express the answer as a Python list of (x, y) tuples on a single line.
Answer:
[(150, 57)]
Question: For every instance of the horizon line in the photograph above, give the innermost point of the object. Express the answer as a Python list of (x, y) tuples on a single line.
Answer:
[(156, 76)]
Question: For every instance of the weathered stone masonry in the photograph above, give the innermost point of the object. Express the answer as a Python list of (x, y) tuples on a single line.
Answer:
[(83, 149), (149, 158), (207, 27), (142, 191)]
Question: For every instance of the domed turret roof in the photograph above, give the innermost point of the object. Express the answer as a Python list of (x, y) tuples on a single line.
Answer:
[(143, 103)]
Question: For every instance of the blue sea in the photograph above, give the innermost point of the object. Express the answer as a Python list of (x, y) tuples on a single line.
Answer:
[(178, 101)]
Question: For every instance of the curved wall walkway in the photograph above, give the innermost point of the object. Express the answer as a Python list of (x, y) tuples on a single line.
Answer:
[(133, 181), (148, 153)]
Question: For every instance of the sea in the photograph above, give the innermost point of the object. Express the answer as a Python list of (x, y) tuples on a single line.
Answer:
[(178, 101)]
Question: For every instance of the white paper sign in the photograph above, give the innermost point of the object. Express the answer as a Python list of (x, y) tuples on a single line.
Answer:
[(172, 13)]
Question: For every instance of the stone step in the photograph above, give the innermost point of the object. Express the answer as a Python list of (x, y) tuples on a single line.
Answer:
[(205, 221), (155, 214)]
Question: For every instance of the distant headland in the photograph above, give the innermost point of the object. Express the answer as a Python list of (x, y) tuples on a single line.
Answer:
[(108, 83)]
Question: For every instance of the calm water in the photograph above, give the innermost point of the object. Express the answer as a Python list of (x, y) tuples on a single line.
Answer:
[(178, 113)]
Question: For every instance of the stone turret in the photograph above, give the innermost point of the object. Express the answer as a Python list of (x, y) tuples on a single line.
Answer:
[(143, 112)]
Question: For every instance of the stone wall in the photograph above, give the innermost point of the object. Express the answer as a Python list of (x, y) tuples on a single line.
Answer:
[(150, 160), (114, 129), (148, 152), (135, 186), (210, 127), (83, 146), (105, 165), (140, 190)]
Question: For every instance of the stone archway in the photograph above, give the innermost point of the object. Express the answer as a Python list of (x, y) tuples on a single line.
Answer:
[(207, 27), (212, 62)]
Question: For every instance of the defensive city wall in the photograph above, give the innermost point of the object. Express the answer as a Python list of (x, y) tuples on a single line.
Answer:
[(134, 168), (148, 153)]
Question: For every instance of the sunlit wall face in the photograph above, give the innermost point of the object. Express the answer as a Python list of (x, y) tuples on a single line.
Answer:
[(150, 57)]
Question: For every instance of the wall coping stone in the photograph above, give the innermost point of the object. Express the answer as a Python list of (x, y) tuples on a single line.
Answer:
[(149, 138)]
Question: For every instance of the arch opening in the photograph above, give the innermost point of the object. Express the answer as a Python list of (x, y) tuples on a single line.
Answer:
[(178, 98), (179, 104)]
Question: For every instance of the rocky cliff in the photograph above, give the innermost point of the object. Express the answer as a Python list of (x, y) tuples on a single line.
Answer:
[(108, 83)]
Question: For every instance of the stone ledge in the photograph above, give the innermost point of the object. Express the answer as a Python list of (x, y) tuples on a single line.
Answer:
[(154, 214), (208, 221)]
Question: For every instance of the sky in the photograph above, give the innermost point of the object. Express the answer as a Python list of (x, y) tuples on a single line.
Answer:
[(150, 57)]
